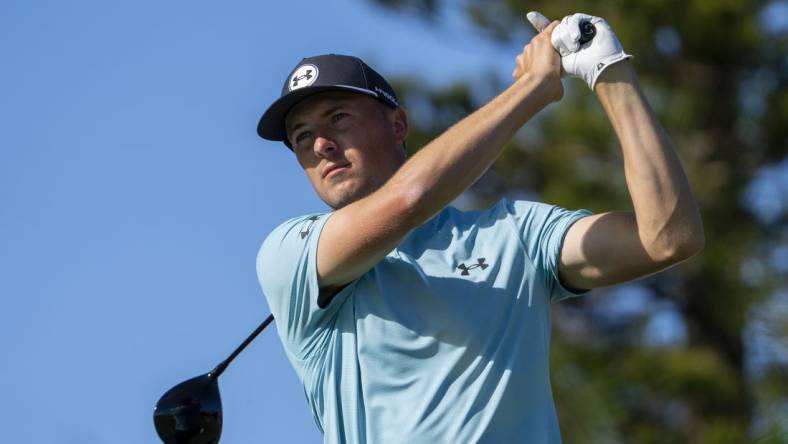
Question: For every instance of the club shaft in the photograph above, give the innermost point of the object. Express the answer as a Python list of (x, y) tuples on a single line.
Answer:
[(223, 365)]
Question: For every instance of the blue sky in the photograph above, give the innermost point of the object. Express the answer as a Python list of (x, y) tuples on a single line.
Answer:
[(135, 194)]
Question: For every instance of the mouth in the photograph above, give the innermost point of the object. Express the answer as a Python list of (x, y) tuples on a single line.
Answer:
[(332, 169)]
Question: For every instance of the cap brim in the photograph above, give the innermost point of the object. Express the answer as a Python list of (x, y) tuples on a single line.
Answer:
[(272, 123)]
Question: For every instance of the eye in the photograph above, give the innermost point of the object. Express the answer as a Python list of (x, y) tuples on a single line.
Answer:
[(338, 116), (300, 137)]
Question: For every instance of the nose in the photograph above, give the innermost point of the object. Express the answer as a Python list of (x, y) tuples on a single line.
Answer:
[(324, 145)]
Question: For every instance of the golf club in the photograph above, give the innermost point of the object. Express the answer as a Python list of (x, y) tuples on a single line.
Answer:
[(191, 412), (587, 31)]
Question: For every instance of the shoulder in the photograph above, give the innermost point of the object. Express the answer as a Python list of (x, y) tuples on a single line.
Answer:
[(504, 208), (518, 207), (293, 235), (537, 213), (299, 227), (460, 218), (452, 220), (498, 213)]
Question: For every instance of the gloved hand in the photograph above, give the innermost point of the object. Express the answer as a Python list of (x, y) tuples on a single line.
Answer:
[(588, 60)]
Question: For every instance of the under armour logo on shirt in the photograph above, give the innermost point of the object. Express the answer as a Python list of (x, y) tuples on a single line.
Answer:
[(309, 224), (479, 264)]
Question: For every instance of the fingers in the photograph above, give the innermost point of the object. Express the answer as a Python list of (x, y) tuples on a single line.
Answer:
[(551, 26), (538, 21), (535, 49), (566, 39), (518, 67)]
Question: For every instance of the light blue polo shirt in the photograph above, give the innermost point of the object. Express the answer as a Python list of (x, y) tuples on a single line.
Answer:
[(445, 340)]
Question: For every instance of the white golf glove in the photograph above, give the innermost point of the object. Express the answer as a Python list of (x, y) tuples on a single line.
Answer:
[(588, 60)]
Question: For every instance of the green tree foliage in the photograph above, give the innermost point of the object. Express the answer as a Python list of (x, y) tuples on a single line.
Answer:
[(715, 71)]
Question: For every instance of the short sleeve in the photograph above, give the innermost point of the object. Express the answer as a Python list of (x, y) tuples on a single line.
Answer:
[(287, 271), (542, 228)]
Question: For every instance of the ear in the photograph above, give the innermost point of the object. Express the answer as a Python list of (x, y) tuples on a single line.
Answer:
[(400, 124)]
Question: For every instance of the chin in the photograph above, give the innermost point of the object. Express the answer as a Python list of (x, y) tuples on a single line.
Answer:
[(337, 202), (346, 196)]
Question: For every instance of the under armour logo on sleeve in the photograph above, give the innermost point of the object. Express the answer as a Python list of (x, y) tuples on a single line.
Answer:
[(479, 264), (309, 224)]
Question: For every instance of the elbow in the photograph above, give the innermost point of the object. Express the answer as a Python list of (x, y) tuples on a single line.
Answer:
[(699, 239), (695, 239), (413, 204), (681, 246), (689, 247), (408, 205)]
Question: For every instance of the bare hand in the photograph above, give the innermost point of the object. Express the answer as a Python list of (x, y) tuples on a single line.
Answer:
[(541, 60)]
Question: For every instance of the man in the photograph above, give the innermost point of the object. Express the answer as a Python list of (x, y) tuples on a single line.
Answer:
[(410, 321)]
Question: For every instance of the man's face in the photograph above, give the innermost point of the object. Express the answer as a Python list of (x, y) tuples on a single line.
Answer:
[(348, 144)]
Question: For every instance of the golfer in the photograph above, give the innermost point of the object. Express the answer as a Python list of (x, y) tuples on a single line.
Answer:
[(409, 321)]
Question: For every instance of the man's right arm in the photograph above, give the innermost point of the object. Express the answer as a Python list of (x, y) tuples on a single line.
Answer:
[(360, 234)]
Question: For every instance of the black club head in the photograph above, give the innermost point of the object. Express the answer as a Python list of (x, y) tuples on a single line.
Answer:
[(190, 412)]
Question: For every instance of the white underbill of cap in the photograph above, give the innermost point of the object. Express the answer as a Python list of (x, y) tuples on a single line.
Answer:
[(363, 90)]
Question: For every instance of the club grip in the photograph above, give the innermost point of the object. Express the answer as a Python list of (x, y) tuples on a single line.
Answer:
[(587, 31)]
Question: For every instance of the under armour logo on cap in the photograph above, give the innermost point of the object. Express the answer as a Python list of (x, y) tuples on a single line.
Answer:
[(305, 75), (479, 264)]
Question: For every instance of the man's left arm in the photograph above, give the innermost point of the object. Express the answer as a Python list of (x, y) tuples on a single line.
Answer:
[(665, 227)]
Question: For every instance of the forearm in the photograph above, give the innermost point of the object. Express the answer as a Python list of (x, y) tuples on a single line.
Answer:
[(667, 215), (447, 166)]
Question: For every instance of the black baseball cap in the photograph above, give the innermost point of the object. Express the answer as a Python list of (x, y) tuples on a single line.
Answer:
[(329, 72)]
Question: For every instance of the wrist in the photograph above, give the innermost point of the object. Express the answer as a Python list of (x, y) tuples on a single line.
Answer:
[(541, 90), (618, 75), (619, 92)]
